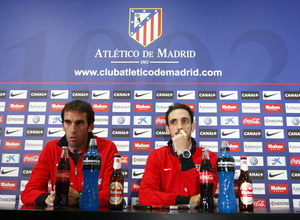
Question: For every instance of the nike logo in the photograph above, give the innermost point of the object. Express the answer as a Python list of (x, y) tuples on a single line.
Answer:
[(229, 94), (137, 174), (142, 94), (6, 172), (267, 96), (16, 94), (11, 132), (139, 133), (53, 132), (98, 132), (167, 169), (100, 94), (182, 95), (271, 134), (57, 94), (226, 134), (274, 175)]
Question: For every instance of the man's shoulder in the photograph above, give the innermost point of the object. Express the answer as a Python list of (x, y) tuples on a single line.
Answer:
[(103, 140), (104, 143)]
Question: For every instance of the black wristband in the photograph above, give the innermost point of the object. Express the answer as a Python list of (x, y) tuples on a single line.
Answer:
[(182, 200), (41, 199)]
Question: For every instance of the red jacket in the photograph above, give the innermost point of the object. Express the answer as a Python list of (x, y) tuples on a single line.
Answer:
[(169, 179), (45, 170)]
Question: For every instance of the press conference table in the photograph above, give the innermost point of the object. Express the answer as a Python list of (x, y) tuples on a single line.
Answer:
[(74, 213)]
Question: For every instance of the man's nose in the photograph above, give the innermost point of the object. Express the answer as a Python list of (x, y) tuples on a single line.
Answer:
[(179, 126), (73, 127)]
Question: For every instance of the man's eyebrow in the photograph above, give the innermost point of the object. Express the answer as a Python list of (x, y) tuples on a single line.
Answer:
[(183, 118)]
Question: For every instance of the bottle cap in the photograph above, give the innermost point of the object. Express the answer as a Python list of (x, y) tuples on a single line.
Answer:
[(224, 146), (93, 143)]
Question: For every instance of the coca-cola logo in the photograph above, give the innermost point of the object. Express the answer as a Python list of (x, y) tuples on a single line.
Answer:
[(206, 177), (260, 203), (62, 175), (160, 120), (252, 121), (295, 161), (124, 159), (30, 158)]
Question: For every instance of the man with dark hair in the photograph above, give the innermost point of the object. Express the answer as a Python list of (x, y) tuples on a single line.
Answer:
[(171, 176), (78, 123)]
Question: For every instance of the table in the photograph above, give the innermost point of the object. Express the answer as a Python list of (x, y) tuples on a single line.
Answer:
[(74, 213)]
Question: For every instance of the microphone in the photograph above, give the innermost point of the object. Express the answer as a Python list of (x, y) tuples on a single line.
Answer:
[(76, 152)]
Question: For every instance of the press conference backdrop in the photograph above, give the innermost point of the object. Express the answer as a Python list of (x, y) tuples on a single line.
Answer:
[(234, 62)]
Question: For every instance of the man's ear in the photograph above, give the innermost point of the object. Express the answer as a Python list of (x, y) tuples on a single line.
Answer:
[(167, 129), (91, 127), (193, 127)]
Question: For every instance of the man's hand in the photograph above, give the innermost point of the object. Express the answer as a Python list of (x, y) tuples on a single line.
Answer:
[(195, 200), (180, 141), (50, 198), (73, 194)]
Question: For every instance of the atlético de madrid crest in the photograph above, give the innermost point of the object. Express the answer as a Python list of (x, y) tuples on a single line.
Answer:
[(145, 24)]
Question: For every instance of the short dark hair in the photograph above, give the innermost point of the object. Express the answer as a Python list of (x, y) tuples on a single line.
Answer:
[(179, 106), (80, 106)]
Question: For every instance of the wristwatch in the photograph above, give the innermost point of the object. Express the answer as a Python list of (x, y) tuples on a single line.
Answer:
[(186, 154)]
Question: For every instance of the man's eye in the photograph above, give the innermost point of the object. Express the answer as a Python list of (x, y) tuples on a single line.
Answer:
[(80, 123)]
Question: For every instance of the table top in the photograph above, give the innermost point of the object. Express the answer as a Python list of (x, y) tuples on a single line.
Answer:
[(45, 213)]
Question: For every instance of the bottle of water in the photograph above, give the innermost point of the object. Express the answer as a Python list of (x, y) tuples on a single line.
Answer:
[(227, 201), (91, 169)]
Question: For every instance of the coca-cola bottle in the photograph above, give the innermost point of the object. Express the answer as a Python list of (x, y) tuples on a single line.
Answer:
[(245, 187), (116, 187), (206, 184), (62, 181)]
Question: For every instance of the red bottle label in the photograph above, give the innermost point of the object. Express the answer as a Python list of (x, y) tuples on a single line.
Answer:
[(206, 177), (63, 175), (115, 193), (246, 193)]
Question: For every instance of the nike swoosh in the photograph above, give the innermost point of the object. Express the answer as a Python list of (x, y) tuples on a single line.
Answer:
[(10, 132), (137, 174), (140, 95), (100, 94), (6, 172), (57, 94), (167, 169), (16, 94), (98, 132), (223, 96), (139, 133), (53, 132), (182, 95), (268, 134), (225, 134), (267, 96), (274, 175)]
